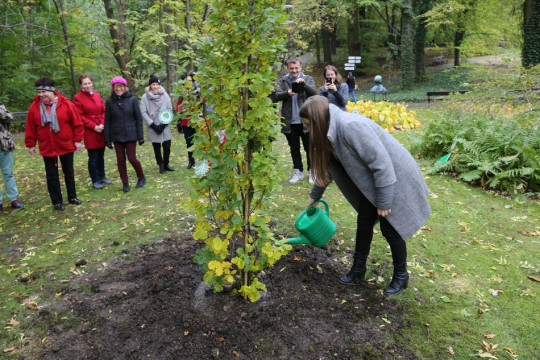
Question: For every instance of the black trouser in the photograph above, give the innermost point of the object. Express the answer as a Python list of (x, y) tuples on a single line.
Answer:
[(96, 164), (53, 181), (293, 138), (365, 221), (189, 132), (166, 152)]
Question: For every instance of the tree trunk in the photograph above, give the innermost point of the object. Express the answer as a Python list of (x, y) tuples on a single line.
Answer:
[(530, 52), (327, 45), (353, 41), (119, 39), (318, 48), (333, 40), (458, 39), (421, 6), (59, 9), (170, 41), (407, 73)]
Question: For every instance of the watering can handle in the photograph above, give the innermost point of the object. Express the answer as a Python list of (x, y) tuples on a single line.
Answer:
[(326, 207)]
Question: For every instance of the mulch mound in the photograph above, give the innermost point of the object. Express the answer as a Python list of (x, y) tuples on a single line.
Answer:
[(157, 307)]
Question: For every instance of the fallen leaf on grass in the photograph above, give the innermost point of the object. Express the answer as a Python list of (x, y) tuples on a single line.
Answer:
[(489, 336), (10, 349), (494, 292), (511, 351), (534, 278), (13, 322), (526, 233), (451, 351)]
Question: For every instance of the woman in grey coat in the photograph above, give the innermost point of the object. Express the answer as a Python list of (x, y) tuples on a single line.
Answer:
[(334, 88), (375, 173), (155, 100)]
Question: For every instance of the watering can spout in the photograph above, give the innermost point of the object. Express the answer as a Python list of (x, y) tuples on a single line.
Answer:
[(297, 240)]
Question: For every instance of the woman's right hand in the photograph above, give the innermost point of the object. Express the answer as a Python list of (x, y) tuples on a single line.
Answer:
[(309, 202), (32, 151)]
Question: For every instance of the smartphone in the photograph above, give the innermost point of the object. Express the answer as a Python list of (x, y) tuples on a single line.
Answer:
[(328, 80)]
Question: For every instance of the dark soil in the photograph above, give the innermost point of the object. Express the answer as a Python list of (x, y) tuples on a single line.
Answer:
[(156, 307)]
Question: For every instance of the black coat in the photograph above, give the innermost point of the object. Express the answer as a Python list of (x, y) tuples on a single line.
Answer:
[(123, 119)]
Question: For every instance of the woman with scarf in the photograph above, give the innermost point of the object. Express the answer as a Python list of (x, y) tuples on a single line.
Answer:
[(123, 127), (53, 123), (92, 113), (154, 101)]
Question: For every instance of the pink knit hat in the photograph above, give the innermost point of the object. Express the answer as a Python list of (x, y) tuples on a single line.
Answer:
[(118, 80)]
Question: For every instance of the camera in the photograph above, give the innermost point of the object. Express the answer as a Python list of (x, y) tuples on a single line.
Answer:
[(328, 80)]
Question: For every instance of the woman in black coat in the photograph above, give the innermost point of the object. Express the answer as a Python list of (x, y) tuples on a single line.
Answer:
[(123, 127)]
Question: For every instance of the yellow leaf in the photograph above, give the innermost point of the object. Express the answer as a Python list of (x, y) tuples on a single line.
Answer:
[(13, 322)]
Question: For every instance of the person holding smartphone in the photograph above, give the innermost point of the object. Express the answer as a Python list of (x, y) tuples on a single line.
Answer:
[(334, 88)]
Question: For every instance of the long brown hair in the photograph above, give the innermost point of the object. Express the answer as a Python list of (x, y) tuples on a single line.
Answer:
[(316, 110), (338, 80)]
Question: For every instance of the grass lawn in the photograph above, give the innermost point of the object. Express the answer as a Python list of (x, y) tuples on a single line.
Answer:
[(469, 289)]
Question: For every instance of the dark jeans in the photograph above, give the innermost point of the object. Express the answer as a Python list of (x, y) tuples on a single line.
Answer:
[(365, 222), (293, 138), (53, 180), (128, 149), (96, 164), (166, 152), (189, 132)]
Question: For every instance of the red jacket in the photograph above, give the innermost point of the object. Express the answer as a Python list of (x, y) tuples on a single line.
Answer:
[(92, 113), (51, 143)]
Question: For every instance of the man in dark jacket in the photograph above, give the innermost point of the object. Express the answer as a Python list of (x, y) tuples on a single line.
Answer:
[(6, 159), (293, 89)]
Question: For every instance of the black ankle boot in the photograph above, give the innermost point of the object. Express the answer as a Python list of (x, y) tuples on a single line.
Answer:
[(161, 168), (357, 273), (400, 281), (191, 163)]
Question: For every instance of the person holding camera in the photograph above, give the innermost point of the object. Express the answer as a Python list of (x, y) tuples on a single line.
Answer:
[(123, 127), (334, 88), (293, 89)]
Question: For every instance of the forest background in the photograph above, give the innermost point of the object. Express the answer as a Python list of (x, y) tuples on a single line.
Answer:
[(135, 38)]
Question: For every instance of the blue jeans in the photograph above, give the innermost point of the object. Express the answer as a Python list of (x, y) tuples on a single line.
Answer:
[(96, 164), (351, 93), (6, 165)]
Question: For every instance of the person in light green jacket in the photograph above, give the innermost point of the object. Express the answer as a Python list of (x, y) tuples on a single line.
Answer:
[(375, 173)]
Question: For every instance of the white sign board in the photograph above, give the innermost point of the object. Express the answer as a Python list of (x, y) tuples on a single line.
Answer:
[(355, 59), (349, 68)]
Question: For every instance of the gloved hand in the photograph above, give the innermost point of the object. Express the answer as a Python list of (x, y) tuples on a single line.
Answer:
[(109, 145), (157, 128), (141, 141), (162, 127)]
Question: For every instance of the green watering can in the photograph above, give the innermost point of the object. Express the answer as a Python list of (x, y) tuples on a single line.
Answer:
[(314, 225)]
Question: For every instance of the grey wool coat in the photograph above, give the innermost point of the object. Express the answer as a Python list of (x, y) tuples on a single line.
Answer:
[(150, 133), (282, 94), (373, 162)]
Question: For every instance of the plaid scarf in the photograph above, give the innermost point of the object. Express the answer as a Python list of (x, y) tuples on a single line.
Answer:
[(48, 114)]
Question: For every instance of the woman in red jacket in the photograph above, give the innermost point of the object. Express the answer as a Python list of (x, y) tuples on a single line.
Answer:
[(53, 122), (92, 113)]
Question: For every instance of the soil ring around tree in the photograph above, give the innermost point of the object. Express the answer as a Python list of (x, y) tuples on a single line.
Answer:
[(156, 307)]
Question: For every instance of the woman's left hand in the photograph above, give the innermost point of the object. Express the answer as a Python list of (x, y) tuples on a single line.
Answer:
[(384, 213), (78, 146)]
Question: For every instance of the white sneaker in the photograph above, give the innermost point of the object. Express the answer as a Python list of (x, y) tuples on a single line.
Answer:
[(298, 176), (311, 178)]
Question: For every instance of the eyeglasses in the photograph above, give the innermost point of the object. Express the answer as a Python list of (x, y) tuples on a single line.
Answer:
[(118, 86)]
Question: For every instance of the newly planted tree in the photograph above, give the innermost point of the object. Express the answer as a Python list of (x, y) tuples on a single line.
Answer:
[(236, 169)]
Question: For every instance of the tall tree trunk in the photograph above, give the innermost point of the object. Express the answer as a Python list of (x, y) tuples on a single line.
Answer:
[(407, 73), (327, 46), (458, 39), (170, 41), (353, 33), (420, 6), (530, 52), (333, 39), (318, 48), (119, 39), (59, 9)]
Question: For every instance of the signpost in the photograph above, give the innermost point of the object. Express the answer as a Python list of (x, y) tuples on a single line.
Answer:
[(352, 61)]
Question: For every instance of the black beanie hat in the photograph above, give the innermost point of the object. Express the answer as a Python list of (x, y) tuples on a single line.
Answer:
[(153, 79)]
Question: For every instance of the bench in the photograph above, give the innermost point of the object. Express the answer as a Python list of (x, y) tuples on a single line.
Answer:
[(442, 93), (19, 115), (439, 60)]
